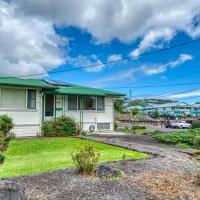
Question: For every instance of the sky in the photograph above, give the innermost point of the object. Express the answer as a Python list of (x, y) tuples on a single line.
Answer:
[(45, 36)]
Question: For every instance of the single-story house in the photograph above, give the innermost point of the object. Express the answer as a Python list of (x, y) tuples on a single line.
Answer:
[(29, 102)]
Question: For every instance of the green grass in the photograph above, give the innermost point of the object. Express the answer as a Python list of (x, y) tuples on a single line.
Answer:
[(181, 138), (31, 156)]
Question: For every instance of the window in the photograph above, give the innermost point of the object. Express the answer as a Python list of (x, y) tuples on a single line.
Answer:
[(89, 103), (31, 99), (72, 102), (49, 105), (100, 104), (13, 98), (103, 126)]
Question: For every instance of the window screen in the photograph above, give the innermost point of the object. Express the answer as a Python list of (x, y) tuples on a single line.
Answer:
[(89, 103), (103, 126), (100, 104), (31, 100), (13, 98), (72, 102)]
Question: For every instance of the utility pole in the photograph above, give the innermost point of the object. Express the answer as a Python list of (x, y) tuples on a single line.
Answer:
[(130, 106)]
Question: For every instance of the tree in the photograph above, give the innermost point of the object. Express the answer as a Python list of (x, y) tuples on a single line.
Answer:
[(155, 114), (135, 111), (119, 105)]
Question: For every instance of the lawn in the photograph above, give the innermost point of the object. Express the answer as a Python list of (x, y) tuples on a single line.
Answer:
[(31, 156)]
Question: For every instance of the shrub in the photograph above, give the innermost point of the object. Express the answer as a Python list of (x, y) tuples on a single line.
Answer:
[(139, 127), (135, 128), (6, 124), (179, 137), (61, 126), (86, 160), (197, 142), (196, 124)]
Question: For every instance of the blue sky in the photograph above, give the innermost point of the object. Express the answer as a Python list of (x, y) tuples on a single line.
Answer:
[(83, 44), (56, 35)]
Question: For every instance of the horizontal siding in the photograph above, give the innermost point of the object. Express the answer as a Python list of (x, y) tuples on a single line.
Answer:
[(27, 130), (27, 122)]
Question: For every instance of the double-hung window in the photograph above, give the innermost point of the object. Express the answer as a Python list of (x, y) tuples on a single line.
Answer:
[(100, 103), (31, 99), (17, 98), (13, 98), (88, 103), (72, 102)]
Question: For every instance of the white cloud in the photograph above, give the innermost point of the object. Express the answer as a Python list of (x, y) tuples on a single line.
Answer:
[(85, 61), (181, 59), (27, 45), (149, 71), (114, 57), (195, 93), (123, 19), (151, 39), (143, 70), (127, 75)]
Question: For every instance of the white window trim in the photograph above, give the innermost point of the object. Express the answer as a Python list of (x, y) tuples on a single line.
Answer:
[(78, 110)]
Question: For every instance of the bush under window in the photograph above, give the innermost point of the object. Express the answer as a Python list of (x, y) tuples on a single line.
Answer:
[(61, 126)]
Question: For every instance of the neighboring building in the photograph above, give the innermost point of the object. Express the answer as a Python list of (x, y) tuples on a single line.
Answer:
[(175, 109), (29, 102), (195, 110)]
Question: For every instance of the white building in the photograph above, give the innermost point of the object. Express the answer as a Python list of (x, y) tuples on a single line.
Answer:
[(29, 102), (176, 109)]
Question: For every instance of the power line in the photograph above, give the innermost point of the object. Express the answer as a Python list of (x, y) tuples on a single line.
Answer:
[(165, 95), (115, 61), (157, 85)]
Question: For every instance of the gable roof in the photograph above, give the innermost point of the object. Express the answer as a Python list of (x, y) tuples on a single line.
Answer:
[(36, 83), (56, 87), (82, 90)]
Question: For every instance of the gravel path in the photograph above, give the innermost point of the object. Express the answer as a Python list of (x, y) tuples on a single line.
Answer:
[(64, 184)]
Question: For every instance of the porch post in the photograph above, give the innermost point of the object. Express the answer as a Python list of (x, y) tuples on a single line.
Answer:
[(81, 113)]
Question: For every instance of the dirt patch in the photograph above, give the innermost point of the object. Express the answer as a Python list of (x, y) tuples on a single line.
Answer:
[(164, 186)]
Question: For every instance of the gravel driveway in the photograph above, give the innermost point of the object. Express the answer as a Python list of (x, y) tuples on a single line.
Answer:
[(64, 184)]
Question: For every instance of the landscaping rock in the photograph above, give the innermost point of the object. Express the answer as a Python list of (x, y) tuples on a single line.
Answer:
[(11, 191), (104, 170)]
